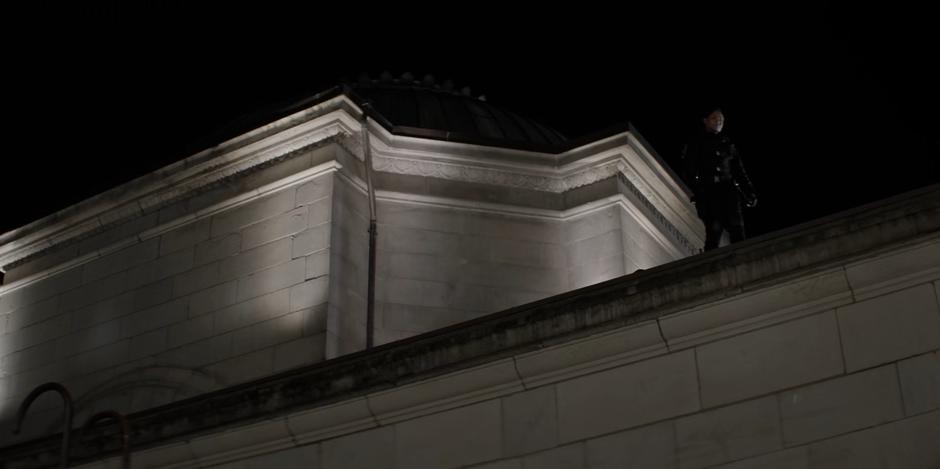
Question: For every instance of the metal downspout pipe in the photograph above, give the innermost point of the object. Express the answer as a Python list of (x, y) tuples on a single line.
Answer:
[(367, 155)]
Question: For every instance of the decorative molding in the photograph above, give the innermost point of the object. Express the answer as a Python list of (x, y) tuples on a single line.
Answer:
[(653, 213), (336, 120), (159, 230), (241, 156), (652, 205), (22, 253), (494, 176)]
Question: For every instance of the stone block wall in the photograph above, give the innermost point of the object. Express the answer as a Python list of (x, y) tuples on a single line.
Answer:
[(438, 266), (281, 281), (266, 269), (849, 382), (216, 301), (348, 268)]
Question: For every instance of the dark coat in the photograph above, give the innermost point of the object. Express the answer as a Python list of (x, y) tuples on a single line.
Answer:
[(711, 160)]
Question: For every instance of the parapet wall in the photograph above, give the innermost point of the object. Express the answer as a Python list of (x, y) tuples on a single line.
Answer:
[(815, 347)]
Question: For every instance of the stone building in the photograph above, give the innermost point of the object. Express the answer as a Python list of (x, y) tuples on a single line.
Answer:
[(538, 304)]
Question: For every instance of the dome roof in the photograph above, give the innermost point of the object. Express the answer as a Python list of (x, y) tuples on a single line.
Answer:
[(424, 108)]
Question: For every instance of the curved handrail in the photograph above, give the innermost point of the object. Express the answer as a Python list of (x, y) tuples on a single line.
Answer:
[(67, 398)]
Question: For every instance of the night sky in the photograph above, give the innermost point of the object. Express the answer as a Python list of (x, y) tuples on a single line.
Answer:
[(831, 105)]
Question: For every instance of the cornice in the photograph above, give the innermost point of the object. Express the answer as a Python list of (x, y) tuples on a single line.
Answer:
[(231, 160), (337, 118), (556, 183), (660, 197)]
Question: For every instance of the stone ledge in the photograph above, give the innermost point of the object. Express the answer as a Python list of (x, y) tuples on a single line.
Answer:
[(815, 247), (149, 192)]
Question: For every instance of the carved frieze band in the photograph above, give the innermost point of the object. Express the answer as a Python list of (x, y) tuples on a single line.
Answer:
[(654, 214), (499, 177), (502, 177)]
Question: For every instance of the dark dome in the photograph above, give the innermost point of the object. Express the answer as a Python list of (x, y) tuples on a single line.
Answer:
[(426, 109)]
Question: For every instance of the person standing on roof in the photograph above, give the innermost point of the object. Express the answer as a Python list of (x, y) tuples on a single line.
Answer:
[(713, 169)]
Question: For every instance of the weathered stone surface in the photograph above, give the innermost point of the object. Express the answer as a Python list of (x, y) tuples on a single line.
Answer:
[(89, 338), (149, 343), (301, 457), (218, 248), (30, 358), (251, 311), (364, 450), (34, 313), (244, 368), (41, 332), (766, 360), (530, 421), (501, 464), (190, 331), (310, 293), (153, 294), (196, 279), (627, 396), (840, 405), (920, 382), (278, 227), (318, 264), (273, 279), (268, 333), (592, 353), (320, 212), (590, 250), (160, 268), (104, 311), (213, 298), (555, 321), (185, 236), (650, 446), (399, 239), (428, 442), (563, 457), (94, 292), (597, 271), (890, 327), (233, 219), (729, 433), (253, 260), (754, 309), (793, 458), (121, 260), (153, 318), (467, 386), (40, 290), (591, 224), (906, 444), (303, 351), (311, 240), (315, 189), (896, 268)]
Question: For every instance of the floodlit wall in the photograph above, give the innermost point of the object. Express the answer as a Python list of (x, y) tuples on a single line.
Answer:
[(252, 259), (212, 302), (837, 366), (852, 383)]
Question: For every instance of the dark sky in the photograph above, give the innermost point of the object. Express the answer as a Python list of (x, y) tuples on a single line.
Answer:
[(832, 105)]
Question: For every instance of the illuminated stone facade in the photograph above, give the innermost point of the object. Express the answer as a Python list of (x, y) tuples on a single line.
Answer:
[(252, 258), (247, 264)]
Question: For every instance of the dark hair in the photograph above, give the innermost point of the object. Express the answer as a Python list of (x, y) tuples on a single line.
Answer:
[(706, 111)]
